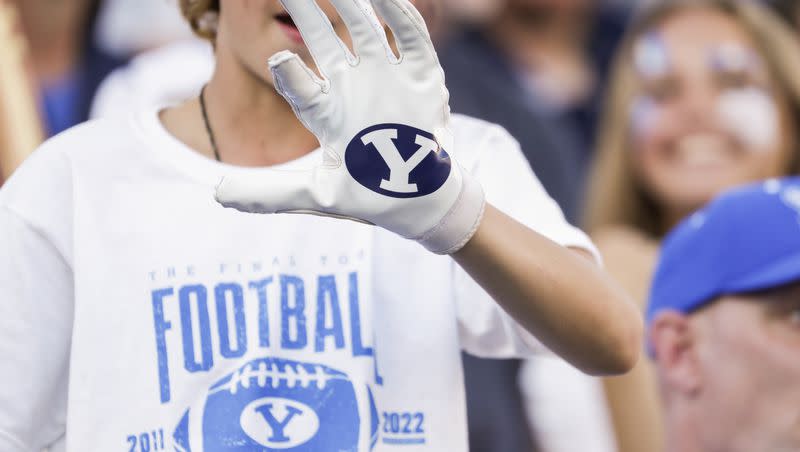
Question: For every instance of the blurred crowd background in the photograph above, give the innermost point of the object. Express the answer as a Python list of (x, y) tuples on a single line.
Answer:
[(633, 114)]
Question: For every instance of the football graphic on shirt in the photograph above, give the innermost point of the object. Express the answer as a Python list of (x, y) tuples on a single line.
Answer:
[(272, 404)]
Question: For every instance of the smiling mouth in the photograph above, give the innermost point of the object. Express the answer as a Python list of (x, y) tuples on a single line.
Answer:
[(703, 151)]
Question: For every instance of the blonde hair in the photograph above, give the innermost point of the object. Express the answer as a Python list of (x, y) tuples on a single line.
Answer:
[(615, 196), (196, 12)]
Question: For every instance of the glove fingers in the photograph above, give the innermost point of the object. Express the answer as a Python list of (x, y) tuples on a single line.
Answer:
[(296, 82), (318, 34), (365, 29), (268, 192), (409, 30)]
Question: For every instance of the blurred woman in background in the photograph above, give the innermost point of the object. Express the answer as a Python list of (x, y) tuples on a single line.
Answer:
[(705, 95)]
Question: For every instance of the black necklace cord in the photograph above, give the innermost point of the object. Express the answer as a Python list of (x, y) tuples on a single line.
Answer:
[(209, 130)]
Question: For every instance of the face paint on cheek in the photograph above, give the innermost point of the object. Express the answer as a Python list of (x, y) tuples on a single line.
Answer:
[(750, 114), (645, 114), (650, 56), (733, 58)]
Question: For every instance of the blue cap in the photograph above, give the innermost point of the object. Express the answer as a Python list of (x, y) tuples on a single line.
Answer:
[(746, 240)]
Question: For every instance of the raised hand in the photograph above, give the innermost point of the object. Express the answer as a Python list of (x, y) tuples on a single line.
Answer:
[(383, 122)]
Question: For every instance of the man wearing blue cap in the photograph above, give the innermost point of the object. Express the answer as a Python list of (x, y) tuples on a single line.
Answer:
[(724, 323)]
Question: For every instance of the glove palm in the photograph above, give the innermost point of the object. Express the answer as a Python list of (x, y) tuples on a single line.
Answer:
[(383, 123)]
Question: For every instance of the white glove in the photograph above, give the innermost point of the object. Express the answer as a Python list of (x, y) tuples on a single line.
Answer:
[(383, 123)]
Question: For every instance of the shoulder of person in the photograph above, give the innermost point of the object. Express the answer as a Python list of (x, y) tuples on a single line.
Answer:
[(92, 135), (49, 169), (474, 138), (41, 192)]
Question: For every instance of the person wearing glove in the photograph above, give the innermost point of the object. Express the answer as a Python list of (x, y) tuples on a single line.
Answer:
[(137, 313)]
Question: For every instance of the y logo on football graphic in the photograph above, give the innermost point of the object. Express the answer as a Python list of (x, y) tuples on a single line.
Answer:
[(398, 161), (279, 423), (273, 404)]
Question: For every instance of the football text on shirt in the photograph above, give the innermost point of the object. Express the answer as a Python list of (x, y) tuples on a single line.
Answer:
[(330, 329)]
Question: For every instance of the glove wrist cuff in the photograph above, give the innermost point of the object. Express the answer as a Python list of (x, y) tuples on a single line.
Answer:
[(461, 221)]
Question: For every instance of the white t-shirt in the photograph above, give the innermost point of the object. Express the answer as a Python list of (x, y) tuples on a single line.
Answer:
[(567, 409), (137, 314)]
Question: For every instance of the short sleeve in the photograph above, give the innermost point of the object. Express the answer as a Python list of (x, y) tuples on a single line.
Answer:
[(36, 298), (36, 311), (510, 184)]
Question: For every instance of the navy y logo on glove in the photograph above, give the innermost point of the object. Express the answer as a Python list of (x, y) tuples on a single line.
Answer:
[(398, 161)]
